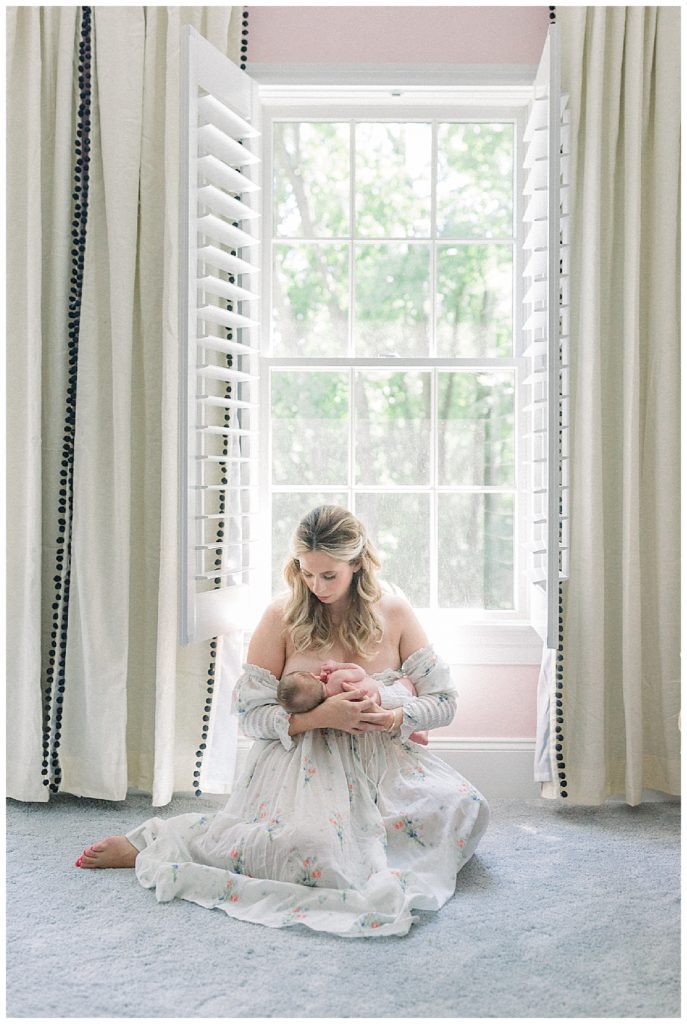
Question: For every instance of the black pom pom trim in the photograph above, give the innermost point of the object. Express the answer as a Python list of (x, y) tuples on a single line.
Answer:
[(560, 662), (244, 39), (53, 704)]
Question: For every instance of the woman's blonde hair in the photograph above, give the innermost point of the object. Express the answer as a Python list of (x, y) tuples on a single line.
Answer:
[(338, 533)]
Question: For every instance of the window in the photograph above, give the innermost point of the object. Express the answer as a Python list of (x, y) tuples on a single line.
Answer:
[(397, 373), (392, 378)]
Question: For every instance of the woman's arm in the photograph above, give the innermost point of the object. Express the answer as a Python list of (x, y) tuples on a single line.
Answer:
[(267, 647), (413, 636), (255, 696)]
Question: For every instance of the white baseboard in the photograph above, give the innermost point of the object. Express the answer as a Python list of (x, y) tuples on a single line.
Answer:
[(499, 768), (496, 767)]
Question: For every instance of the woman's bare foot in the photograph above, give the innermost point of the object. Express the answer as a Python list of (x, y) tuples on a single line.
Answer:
[(113, 852)]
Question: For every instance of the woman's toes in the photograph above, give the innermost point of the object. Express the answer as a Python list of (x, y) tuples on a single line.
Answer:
[(78, 862), (113, 852)]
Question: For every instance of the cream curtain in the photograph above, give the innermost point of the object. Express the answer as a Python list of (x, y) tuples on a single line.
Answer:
[(621, 674), (40, 56), (130, 710)]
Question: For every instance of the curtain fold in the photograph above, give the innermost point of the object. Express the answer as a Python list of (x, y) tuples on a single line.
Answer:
[(40, 56), (131, 706), (621, 672), (545, 688), (93, 748)]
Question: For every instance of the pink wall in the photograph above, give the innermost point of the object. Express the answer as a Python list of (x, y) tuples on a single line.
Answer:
[(494, 702), (396, 35)]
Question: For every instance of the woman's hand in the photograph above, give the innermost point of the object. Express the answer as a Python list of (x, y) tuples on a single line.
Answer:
[(371, 689), (353, 712), (378, 721)]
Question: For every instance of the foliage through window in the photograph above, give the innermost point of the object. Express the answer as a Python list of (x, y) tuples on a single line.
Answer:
[(391, 352)]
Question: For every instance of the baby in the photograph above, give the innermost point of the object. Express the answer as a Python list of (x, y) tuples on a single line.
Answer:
[(302, 691)]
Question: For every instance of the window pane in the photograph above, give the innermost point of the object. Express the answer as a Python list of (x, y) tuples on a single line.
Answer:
[(309, 428), (476, 545), (392, 427), (475, 301), (311, 179), (392, 304), (287, 512), (398, 525), (475, 181), (310, 302), (476, 425), (393, 180)]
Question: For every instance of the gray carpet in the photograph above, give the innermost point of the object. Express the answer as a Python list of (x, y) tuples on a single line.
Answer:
[(562, 912)]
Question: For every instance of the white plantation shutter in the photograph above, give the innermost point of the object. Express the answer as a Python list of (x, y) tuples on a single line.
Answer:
[(547, 141), (218, 341)]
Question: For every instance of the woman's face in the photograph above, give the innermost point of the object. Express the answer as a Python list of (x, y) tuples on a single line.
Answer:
[(327, 578)]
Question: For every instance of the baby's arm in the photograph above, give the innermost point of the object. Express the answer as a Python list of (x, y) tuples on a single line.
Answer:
[(342, 673), (357, 673)]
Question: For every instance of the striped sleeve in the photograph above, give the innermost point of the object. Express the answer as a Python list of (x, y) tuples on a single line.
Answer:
[(437, 699), (255, 702)]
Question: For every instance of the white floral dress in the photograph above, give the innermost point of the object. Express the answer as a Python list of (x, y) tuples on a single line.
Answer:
[(341, 833)]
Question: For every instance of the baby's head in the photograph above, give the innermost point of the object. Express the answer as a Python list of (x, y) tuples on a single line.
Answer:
[(300, 691)]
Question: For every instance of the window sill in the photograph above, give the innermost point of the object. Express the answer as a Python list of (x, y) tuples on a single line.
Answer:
[(483, 643)]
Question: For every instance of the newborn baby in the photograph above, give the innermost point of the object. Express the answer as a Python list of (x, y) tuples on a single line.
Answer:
[(302, 691)]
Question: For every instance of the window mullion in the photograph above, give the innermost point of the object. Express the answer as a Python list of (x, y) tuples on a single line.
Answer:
[(351, 437), (395, 363), (351, 317), (394, 488), (433, 243), (351, 232), (434, 498), (265, 478), (434, 432)]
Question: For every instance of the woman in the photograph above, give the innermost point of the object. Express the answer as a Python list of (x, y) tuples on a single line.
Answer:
[(338, 822)]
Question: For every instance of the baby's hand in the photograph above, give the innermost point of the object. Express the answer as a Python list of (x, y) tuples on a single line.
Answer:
[(330, 666), (326, 668)]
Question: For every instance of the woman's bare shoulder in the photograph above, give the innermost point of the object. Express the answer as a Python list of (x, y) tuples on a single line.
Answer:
[(394, 606), (276, 610), (267, 647), (402, 622)]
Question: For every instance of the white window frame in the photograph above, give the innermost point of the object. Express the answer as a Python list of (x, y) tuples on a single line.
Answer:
[(463, 637)]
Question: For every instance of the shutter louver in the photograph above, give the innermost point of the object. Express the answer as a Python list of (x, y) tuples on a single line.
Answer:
[(547, 142), (219, 364)]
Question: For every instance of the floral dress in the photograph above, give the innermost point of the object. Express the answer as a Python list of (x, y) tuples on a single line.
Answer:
[(341, 833)]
